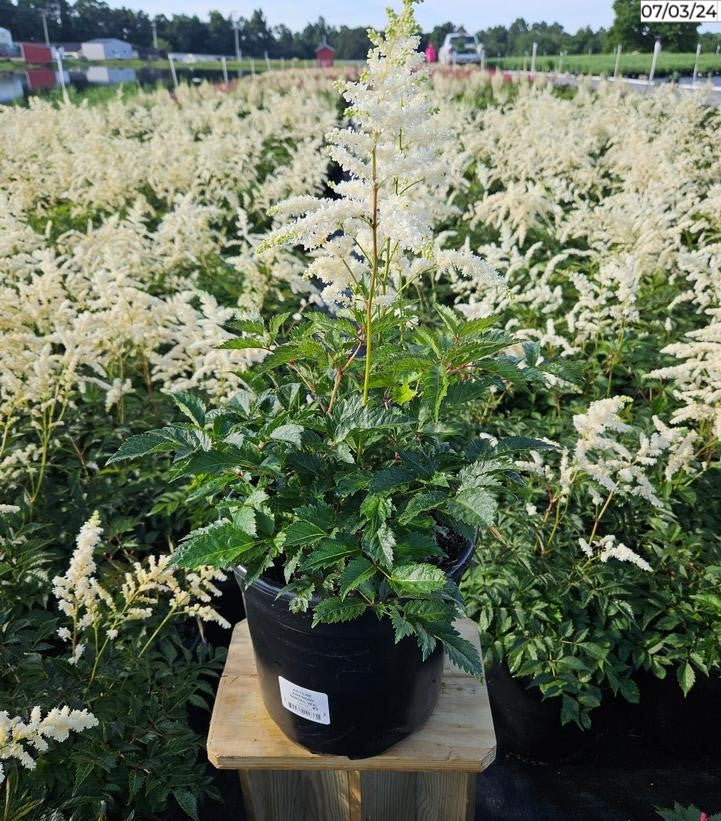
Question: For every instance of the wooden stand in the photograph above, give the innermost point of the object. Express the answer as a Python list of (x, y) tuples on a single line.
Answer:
[(429, 776)]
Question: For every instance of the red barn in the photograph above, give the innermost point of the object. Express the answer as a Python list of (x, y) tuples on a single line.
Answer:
[(35, 54), (324, 55), (41, 79)]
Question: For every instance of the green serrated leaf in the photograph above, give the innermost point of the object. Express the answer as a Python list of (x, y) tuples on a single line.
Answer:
[(401, 627), (217, 545), (288, 433), (276, 322), (462, 653), (686, 677), (191, 406), (417, 579), (474, 506), (421, 503), (335, 609), (243, 342), (244, 519), (330, 552), (356, 572), (435, 387), (213, 461), (402, 394), (313, 523), (187, 802), (141, 445)]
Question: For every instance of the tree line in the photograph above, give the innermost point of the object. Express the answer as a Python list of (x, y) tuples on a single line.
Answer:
[(87, 19)]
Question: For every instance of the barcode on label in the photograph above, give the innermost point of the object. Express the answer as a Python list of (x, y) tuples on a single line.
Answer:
[(303, 702)]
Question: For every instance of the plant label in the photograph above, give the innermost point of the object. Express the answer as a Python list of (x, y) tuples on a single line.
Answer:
[(308, 704)]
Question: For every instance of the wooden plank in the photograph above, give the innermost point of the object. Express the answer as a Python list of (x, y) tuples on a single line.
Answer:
[(448, 796), (458, 736), (295, 795), (355, 809)]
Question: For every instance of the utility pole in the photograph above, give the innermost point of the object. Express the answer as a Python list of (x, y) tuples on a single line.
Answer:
[(154, 26), (235, 23), (44, 13)]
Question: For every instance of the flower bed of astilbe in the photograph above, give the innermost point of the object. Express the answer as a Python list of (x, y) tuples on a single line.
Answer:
[(603, 212), (127, 236)]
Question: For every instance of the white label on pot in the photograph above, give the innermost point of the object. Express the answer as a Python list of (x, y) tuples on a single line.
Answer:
[(309, 704)]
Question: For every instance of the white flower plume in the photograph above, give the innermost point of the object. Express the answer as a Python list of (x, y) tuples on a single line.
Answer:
[(392, 156)]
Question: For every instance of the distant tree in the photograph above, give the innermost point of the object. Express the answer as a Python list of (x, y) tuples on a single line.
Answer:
[(710, 41), (284, 43), (495, 40), (351, 43), (438, 35), (220, 34), (256, 36)]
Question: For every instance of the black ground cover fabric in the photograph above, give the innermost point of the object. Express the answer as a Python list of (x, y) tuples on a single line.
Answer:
[(622, 779)]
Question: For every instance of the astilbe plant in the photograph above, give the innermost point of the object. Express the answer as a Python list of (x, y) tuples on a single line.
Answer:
[(342, 467), (120, 671)]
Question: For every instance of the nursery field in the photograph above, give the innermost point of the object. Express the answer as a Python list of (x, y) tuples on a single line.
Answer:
[(632, 64), (144, 285)]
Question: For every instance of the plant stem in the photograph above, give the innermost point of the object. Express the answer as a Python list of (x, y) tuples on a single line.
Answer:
[(374, 274), (598, 519), (162, 624)]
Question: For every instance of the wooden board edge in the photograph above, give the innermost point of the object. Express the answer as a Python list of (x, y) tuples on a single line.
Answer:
[(222, 762)]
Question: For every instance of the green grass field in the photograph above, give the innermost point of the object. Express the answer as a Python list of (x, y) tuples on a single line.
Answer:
[(631, 64)]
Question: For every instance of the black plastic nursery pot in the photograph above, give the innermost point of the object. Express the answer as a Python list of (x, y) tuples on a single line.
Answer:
[(341, 689), (528, 726), (688, 726)]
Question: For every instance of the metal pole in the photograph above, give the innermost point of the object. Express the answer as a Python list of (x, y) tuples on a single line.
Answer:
[(267, 61), (533, 57), (172, 70), (618, 62), (225, 70), (154, 26), (237, 40), (656, 52), (44, 14), (61, 76), (695, 65)]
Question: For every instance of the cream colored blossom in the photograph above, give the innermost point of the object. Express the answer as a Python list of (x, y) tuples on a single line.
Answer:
[(18, 738)]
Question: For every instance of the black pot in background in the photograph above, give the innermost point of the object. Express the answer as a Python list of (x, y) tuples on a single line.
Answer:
[(342, 689), (684, 726), (526, 725)]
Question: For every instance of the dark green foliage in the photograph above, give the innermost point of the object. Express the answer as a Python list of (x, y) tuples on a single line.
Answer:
[(353, 496)]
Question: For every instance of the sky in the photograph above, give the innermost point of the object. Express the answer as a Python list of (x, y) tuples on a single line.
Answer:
[(473, 14)]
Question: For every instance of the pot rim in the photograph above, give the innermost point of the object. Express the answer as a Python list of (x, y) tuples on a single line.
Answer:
[(269, 587)]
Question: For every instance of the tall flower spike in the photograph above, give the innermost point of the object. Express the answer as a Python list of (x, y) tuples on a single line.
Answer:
[(382, 219)]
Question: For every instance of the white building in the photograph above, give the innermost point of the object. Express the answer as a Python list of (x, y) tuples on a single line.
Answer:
[(107, 48), (103, 75), (6, 41), (11, 87)]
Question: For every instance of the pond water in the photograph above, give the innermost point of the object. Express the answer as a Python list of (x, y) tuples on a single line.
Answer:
[(22, 84)]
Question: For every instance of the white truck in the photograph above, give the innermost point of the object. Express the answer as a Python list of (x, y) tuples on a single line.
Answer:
[(459, 47)]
